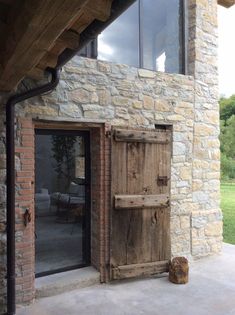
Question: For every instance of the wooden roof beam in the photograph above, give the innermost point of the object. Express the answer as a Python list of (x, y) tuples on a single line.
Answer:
[(31, 31), (226, 3), (100, 9)]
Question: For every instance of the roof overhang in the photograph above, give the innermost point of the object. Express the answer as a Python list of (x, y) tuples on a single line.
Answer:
[(39, 34)]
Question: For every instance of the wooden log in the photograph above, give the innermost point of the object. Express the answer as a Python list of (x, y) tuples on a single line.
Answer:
[(141, 201), (178, 270)]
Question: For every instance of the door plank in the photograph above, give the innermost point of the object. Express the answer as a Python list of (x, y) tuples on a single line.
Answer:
[(140, 201), (145, 269), (119, 185), (142, 136)]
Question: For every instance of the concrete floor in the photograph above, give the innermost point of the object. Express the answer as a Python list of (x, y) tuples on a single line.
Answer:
[(210, 291)]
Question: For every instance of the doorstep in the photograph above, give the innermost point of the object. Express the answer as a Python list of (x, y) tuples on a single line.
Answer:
[(66, 281)]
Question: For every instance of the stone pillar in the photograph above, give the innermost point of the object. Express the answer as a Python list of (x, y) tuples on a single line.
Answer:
[(206, 220)]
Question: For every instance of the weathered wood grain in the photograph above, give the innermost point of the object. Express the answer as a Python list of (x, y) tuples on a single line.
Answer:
[(100, 9), (142, 136), (178, 270), (140, 201), (137, 270), (139, 237)]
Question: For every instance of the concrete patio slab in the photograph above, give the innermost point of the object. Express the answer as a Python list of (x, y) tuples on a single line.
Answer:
[(66, 281), (210, 291)]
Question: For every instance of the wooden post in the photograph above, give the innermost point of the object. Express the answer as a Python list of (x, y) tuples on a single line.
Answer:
[(178, 270)]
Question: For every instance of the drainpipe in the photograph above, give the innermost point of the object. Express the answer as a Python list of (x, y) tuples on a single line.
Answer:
[(10, 164)]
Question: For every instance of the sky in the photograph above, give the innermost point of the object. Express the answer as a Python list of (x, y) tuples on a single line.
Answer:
[(226, 20)]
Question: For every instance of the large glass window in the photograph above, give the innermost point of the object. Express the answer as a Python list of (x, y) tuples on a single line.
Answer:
[(148, 35), (120, 41)]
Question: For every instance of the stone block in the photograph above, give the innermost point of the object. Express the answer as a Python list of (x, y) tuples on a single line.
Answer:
[(143, 73), (148, 102), (213, 229)]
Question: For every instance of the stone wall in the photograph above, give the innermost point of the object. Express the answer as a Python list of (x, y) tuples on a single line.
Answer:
[(120, 95), (206, 214)]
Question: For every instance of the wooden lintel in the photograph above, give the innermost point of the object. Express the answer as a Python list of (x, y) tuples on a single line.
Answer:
[(226, 3), (82, 22), (137, 270), (140, 201), (142, 136), (32, 30)]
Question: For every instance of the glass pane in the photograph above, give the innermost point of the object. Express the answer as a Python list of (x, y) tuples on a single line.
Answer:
[(161, 24), (119, 42), (59, 202)]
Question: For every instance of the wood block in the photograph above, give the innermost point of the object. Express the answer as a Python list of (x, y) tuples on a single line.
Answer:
[(178, 270)]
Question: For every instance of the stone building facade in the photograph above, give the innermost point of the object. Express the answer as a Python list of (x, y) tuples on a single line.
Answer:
[(99, 95)]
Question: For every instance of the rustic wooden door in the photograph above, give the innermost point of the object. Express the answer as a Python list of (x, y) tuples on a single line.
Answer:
[(140, 220)]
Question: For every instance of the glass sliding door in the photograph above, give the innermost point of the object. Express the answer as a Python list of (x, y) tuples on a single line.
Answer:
[(62, 200)]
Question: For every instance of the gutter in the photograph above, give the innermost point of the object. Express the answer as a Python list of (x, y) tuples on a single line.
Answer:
[(10, 165)]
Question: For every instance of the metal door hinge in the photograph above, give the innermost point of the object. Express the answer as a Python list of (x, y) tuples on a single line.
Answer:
[(108, 134), (162, 180), (27, 217)]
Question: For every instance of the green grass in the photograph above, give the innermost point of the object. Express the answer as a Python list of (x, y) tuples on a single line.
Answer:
[(228, 208)]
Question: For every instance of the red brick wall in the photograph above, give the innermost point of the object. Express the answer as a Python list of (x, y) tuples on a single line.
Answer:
[(24, 200), (100, 186), (96, 195)]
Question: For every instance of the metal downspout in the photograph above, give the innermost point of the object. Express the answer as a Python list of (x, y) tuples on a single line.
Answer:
[(10, 165)]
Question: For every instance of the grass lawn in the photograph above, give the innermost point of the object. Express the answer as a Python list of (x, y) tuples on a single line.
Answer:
[(228, 208)]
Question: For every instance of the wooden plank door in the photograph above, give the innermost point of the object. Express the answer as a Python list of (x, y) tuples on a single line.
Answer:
[(140, 219)]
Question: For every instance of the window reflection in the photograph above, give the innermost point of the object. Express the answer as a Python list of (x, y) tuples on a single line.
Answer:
[(160, 25), (60, 202), (120, 41), (147, 35)]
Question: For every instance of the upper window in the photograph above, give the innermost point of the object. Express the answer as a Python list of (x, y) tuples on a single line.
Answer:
[(150, 35)]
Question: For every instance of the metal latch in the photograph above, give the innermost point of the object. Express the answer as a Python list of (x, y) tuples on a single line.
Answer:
[(27, 217), (162, 180)]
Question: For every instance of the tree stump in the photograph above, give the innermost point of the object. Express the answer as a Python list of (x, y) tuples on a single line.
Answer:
[(178, 270)]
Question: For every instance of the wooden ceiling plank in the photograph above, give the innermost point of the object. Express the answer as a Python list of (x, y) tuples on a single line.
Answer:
[(33, 33)]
